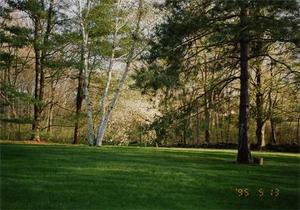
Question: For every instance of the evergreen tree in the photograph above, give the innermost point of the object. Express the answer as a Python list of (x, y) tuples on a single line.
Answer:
[(235, 27)]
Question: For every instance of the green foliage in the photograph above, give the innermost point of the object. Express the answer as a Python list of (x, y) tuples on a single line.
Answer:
[(101, 19), (200, 40), (189, 22), (12, 94), (5, 59), (24, 120), (101, 23)]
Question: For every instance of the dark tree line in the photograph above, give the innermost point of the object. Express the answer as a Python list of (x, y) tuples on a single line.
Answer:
[(216, 70), (243, 31)]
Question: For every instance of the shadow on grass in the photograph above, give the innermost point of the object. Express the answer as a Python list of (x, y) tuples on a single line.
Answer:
[(66, 177)]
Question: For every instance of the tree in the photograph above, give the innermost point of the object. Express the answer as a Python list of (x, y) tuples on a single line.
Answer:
[(234, 26), (43, 17), (129, 59)]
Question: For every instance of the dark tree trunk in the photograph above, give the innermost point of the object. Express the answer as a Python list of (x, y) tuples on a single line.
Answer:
[(184, 132), (273, 131), (207, 121), (50, 118), (298, 131), (273, 138), (206, 109), (39, 110), (244, 155), (79, 100), (51, 108), (35, 122), (40, 56), (217, 119), (260, 143), (260, 135), (198, 126), (228, 119)]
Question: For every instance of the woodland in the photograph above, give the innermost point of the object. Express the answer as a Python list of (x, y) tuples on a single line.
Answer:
[(149, 104), (194, 73)]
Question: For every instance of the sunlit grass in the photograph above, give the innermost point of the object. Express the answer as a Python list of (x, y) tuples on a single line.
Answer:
[(81, 177)]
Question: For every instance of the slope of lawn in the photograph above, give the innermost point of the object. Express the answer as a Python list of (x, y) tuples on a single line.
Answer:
[(81, 177)]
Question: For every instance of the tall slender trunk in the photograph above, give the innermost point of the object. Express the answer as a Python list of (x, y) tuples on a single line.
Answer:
[(85, 51), (79, 100), (298, 131), (244, 155), (206, 106), (217, 120), (51, 107), (222, 127), (207, 121), (90, 124), (40, 56), (273, 131), (36, 112), (104, 120), (260, 134), (184, 132), (273, 137), (228, 119), (198, 126), (110, 66), (50, 118), (260, 123)]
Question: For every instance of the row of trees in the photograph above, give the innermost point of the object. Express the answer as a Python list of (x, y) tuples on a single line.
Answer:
[(203, 46), (68, 44), (207, 67)]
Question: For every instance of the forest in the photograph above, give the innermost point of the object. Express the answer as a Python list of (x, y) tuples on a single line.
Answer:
[(150, 102), (173, 73)]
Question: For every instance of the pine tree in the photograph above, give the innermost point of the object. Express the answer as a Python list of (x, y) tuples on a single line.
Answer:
[(233, 26)]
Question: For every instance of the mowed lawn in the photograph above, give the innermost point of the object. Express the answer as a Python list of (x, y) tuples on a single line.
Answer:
[(82, 177)]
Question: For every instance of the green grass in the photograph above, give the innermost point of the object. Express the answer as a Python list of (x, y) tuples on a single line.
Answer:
[(80, 177)]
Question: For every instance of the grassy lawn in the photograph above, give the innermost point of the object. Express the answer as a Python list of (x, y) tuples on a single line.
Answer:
[(80, 177)]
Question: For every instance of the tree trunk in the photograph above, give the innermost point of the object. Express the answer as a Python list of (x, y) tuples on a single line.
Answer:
[(260, 135), (90, 124), (222, 126), (244, 155), (79, 100), (207, 122), (104, 120), (217, 125), (273, 131), (40, 56), (51, 107), (36, 112), (184, 132), (260, 123), (206, 107), (85, 39), (110, 66), (273, 137), (229, 119), (298, 131), (50, 118), (198, 126)]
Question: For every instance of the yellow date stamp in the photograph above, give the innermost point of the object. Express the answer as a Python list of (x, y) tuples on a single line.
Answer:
[(261, 192)]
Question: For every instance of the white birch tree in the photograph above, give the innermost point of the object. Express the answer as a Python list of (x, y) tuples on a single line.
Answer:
[(129, 59), (103, 98), (83, 12)]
